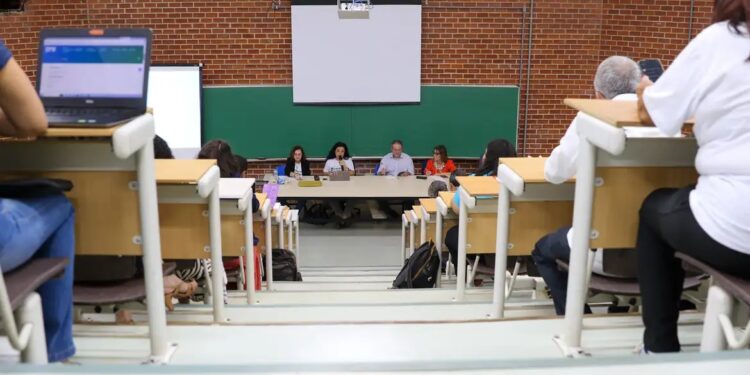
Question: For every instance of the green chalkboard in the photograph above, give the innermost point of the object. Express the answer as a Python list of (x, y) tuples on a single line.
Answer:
[(262, 122)]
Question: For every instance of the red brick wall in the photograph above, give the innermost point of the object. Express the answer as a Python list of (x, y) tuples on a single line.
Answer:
[(465, 42)]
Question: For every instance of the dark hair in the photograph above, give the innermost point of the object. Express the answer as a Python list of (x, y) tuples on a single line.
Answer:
[(295, 148), (443, 152), (397, 141), (161, 149), (241, 164), (734, 11), (332, 153), (496, 149), (222, 153)]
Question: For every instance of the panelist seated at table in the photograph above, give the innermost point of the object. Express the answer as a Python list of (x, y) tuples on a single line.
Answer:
[(496, 149), (41, 226), (339, 161), (616, 79), (710, 81), (297, 164), (397, 162), (440, 164)]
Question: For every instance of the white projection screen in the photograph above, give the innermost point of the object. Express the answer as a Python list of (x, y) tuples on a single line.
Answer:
[(374, 60), (174, 93)]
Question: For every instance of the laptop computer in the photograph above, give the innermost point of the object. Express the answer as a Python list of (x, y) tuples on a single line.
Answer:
[(93, 78)]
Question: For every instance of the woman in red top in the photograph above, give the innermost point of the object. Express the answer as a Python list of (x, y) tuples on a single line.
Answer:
[(440, 164)]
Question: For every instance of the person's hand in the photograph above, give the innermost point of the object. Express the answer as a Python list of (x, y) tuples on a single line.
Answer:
[(428, 173), (341, 162), (642, 111), (383, 170)]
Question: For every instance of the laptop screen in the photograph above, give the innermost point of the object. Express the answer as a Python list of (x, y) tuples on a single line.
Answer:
[(93, 67)]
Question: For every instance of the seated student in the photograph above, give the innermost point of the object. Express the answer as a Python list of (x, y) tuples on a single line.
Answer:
[(439, 164), (222, 153), (397, 162), (297, 164), (338, 160), (496, 149), (616, 79), (40, 226), (241, 162), (710, 221)]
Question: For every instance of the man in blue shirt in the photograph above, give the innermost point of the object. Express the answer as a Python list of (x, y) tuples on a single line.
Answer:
[(36, 226), (397, 163)]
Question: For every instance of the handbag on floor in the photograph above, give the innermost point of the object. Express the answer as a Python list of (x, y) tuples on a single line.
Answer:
[(421, 270)]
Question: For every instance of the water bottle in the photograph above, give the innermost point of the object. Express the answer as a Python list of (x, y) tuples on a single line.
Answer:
[(275, 176)]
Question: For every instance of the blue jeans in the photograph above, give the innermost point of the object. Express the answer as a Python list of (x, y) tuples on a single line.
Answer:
[(546, 251), (43, 228)]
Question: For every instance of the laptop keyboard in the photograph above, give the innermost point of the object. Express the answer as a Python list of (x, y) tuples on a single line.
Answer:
[(75, 112)]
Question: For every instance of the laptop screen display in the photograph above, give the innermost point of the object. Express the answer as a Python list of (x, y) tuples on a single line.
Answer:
[(101, 67)]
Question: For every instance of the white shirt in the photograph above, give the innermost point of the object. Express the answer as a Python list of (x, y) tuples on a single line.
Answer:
[(332, 165), (562, 165), (562, 162), (298, 168), (710, 79), (395, 166)]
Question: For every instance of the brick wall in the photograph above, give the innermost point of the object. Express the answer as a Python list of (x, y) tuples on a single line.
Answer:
[(465, 42)]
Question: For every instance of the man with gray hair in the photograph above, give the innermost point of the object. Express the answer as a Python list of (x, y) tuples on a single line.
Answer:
[(616, 79)]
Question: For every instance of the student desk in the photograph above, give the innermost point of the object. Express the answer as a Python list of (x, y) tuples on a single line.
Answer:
[(236, 196), (262, 223), (359, 187), (528, 208), (443, 214), (478, 234), (113, 173), (188, 230), (431, 224), (413, 218), (615, 173)]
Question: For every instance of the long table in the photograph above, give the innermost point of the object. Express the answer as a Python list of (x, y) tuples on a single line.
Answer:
[(359, 187)]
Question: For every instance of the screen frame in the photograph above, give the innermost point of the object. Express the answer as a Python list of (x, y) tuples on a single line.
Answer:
[(200, 91), (135, 103)]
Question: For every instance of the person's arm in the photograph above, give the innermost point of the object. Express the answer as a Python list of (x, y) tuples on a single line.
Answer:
[(430, 169), (306, 168), (410, 167), (383, 170), (289, 168), (450, 167), (21, 110), (561, 164), (673, 99), (349, 166), (256, 202)]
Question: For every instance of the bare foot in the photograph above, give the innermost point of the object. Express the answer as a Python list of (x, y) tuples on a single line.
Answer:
[(124, 317)]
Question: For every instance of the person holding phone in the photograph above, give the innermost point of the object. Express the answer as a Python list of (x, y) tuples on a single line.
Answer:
[(709, 81), (337, 161)]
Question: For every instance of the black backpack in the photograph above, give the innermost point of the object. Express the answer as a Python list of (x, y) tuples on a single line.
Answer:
[(421, 270), (285, 266)]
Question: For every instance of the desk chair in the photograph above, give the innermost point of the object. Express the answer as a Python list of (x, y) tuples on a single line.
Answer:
[(616, 171), (718, 328), (17, 295), (114, 199)]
